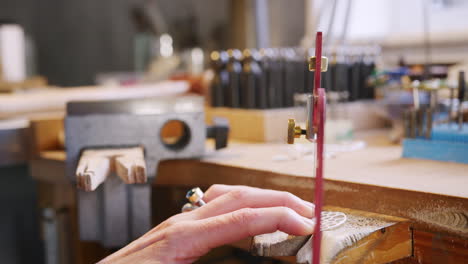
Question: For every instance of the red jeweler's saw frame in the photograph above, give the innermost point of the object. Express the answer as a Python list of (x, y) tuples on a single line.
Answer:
[(315, 132)]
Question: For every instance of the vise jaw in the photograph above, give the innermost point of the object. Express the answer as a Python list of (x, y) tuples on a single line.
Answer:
[(111, 211)]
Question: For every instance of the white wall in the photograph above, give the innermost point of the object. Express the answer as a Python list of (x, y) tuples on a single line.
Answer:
[(379, 19), (407, 16), (368, 19), (398, 26)]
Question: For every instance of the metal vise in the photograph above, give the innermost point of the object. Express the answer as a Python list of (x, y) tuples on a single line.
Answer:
[(109, 138)]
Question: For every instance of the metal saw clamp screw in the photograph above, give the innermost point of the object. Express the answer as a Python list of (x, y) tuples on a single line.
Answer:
[(311, 129)]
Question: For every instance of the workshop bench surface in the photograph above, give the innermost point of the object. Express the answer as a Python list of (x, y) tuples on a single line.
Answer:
[(375, 179)]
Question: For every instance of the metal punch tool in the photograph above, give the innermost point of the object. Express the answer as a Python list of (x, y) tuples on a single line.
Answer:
[(195, 197)]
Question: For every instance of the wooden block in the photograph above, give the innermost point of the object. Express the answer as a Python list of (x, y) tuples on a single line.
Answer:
[(131, 166), (364, 238), (439, 248), (92, 170), (277, 244), (96, 164), (270, 125), (257, 125)]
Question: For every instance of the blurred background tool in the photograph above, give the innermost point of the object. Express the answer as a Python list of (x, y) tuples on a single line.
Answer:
[(445, 140), (234, 67), (135, 136), (220, 83), (278, 73), (274, 78)]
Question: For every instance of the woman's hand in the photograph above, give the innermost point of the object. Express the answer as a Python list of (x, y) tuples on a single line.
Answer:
[(232, 213)]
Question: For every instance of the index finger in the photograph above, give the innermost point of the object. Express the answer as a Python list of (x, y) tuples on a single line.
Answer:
[(202, 235), (217, 190)]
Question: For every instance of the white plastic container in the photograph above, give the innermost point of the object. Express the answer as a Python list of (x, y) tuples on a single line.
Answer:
[(12, 53)]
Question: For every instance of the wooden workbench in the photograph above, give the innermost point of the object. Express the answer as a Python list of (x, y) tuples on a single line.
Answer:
[(434, 195)]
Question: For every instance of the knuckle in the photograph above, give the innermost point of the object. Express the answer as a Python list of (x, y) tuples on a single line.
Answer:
[(244, 216), (289, 197), (216, 188), (286, 212), (238, 195), (213, 188), (173, 220), (214, 191), (170, 222), (176, 228)]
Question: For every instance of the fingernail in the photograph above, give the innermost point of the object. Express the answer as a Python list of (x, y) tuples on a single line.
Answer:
[(310, 212), (311, 207), (309, 204), (309, 223)]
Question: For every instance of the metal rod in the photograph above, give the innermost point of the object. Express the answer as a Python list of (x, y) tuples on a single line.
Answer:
[(346, 22), (407, 122), (461, 97), (416, 97), (452, 98), (427, 40), (330, 23), (262, 25), (412, 123), (420, 122), (429, 117)]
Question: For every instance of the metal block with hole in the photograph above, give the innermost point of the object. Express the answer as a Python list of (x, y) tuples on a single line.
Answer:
[(166, 128)]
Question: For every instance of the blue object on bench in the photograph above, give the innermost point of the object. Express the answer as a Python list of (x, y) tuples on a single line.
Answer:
[(442, 150), (450, 132), (447, 143)]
